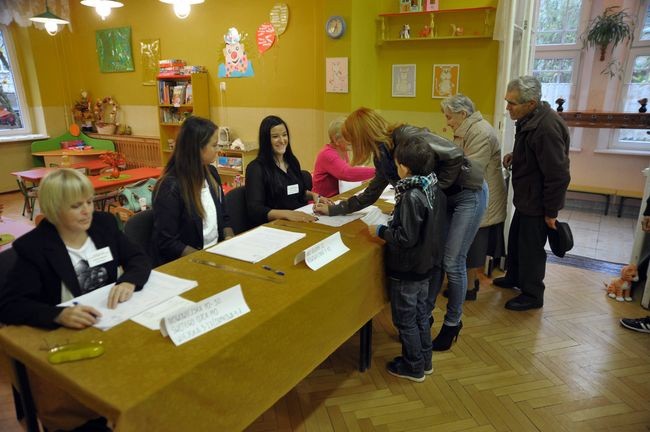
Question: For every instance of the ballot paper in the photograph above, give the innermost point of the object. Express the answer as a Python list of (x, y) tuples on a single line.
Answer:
[(322, 252), (336, 221), (158, 288), (257, 244), (193, 321), (375, 217), (345, 186), (151, 318), (388, 194)]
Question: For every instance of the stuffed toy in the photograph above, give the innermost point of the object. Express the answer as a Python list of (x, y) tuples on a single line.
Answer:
[(619, 288)]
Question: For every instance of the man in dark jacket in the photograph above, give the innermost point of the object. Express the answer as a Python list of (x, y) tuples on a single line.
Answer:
[(540, 177)]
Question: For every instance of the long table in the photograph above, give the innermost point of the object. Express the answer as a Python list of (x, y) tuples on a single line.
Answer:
[(224, 379)]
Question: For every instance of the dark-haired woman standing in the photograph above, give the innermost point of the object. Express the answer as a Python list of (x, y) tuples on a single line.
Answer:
[(188, 200)]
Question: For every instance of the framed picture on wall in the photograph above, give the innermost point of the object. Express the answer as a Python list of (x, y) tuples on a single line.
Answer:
[(445, 80), (403, 80), (336, 75)]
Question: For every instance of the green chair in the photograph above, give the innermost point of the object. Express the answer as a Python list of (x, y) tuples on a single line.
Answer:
[(55, 144)]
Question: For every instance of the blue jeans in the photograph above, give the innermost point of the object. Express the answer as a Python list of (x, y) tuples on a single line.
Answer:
[(464, 212), (408, 304)]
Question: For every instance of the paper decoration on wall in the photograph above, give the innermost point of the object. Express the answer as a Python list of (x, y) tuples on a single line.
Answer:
[(445, 80), (336, 75), (265, 37), (114, 49), (279, 17), (403, 80), (149, 56), (236, 62)]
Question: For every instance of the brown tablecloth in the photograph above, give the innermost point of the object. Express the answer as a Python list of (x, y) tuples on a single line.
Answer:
[(226, 378)]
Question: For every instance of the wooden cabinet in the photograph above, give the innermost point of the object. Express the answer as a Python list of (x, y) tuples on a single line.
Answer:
[(179, 97), (232, 164), (469, 23)]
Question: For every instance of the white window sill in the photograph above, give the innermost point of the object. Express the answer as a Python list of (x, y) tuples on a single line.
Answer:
[(623, 152), (575, 150), (18, 138)]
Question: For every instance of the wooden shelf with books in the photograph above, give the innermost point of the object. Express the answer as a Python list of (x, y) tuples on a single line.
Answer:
[(232, 164), (179, 97)]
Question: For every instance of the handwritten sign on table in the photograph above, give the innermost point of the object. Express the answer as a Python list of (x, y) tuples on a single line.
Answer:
[(323, 252), (208, 314)]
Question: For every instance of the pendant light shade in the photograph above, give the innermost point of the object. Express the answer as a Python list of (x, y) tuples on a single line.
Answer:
[(182, 8), (50, 21), (102, 7)]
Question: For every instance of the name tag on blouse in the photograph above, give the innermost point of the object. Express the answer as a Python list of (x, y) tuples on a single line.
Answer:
[(99, 257), (292, 189)]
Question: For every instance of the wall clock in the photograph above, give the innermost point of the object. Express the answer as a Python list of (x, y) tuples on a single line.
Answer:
[(335, 27)]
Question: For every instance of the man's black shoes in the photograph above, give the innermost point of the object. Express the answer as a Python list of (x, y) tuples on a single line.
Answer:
[(504, 282), (522, 303)]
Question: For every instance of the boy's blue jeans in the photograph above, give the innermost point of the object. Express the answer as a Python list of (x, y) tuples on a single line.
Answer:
[(408, 304)]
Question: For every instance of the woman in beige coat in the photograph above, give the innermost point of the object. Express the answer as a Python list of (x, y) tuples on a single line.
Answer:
[(477, 138)]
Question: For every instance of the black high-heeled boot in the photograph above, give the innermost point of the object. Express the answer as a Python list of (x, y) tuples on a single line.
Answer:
[(447, 335)]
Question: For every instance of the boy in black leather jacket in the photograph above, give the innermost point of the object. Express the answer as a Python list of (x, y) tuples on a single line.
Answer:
[(411, 254)]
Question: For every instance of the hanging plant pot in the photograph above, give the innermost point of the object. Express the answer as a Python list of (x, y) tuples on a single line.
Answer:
[(613, 27)]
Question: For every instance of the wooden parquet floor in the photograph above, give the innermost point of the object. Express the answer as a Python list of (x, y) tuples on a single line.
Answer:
[(567, 367)]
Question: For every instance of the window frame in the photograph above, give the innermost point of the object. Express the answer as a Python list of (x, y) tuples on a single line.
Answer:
[(18, 84)]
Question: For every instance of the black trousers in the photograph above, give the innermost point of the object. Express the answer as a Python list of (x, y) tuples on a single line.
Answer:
[(526, 261)]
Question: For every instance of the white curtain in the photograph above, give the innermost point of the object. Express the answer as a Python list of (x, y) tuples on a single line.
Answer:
[(20, 11)]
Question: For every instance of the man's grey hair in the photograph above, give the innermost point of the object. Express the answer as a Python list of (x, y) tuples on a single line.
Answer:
[(529, 88), (458, 103)]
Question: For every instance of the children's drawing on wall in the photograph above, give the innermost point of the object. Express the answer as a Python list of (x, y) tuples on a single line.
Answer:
[(149, 55), (403, 80), (236, 63), (279, 17), (445, 80), (336, 75), (114, 49)]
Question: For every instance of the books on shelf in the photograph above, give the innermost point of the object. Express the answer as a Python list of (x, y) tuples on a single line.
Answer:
[(175, 93)]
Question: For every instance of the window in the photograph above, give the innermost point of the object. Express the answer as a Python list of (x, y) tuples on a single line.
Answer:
[(14, 119), (636, 85), (557, 49), (558, 22)]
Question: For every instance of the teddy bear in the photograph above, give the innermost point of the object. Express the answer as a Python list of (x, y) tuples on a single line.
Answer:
[(619, 288)]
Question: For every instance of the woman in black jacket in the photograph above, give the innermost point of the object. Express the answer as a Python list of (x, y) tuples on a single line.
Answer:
[(188, 205), (71, 252), (274, 182)]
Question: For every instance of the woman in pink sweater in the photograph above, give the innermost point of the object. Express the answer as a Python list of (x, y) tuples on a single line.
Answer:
[(332, 164)]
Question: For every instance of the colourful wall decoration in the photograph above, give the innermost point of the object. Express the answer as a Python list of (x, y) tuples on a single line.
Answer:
[(403, 80), (114, 49), (445, 80), (149, 56), (336, 75), (279, 17), (265, 37), (236, 63)]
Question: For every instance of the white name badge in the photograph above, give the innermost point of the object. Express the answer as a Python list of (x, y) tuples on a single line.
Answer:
[(292, 189), (101, 256)]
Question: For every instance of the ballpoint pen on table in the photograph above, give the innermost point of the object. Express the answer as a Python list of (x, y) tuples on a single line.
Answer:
[(269, 268)]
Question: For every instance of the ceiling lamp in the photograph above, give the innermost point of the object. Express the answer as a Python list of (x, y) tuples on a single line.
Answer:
[(103, 7), (50, 20), (182, 8)]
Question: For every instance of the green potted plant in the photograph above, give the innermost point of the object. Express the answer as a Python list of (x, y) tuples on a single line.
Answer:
[(613, 27)]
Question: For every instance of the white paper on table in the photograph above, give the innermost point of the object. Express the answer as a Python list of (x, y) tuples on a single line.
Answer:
[(206, 315), (375, 217), (336, 221), (151, 318), (322, 252), (345, 186), (257, 244), (158, 288), (388, 194)]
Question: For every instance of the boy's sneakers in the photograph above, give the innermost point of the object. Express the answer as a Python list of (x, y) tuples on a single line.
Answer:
[(428, 367), (637, 324), (398, 368)]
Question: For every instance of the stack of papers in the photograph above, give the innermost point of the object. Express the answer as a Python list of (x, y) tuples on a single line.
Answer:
[(336, 221)]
